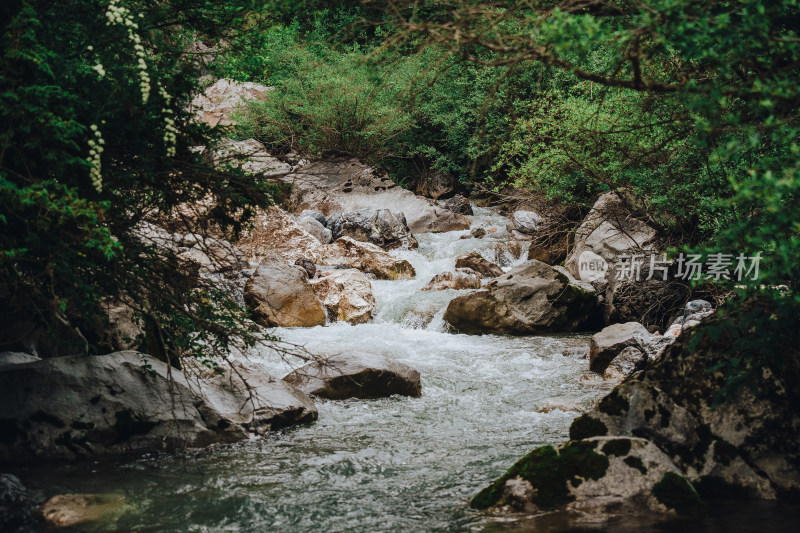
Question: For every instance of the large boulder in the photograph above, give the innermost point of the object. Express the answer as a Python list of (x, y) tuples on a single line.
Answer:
[(67, 407), (275, 232), (269, 403), (385, 228), (609, 342), (279, 294), (601, 478), (729, 441), (346, 295), (250, 156), (367, 258), (609, 232), (476, 262), (218, 102), (340, 185), (356, 375), (532, 298), (524, 224), (458, 279)]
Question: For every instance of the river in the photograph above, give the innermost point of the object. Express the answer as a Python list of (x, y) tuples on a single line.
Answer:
[(394, 464)]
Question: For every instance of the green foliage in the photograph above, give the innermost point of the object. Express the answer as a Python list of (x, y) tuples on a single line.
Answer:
[(339, 89), (342, 104), (95, 137), (692, 106), (675, 492)]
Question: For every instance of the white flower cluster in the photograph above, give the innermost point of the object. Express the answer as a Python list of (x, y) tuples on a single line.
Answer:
[(116, 14), (95, 151), (170, 131), (99, 69)]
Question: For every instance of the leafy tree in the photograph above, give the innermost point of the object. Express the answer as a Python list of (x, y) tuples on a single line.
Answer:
[(95, 139), (693, 105)]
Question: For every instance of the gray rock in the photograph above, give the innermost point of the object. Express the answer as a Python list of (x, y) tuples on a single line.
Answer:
[(315, 228), (123, 327), (307, 265), (275, 232), (459, 204), (741, 445), (316, 215), (382, 227), (215, 106), (598, 478), (67, 407), (214, 256), (610, 232), (475, 261), (459, 279), (525, 222), (356, 375), (270, 403), (73, 510), (532, 298), (339, 185), (609, 342), (152, 235), (15, 358), (478, 233), (506, 253), (280, 295), (627, 362)]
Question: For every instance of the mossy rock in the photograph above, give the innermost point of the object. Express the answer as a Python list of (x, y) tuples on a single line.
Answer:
[(549, 471), (676, 493), (586, 426), (602, 476)]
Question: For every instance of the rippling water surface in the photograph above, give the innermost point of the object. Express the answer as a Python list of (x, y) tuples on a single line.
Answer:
[(395, 464)]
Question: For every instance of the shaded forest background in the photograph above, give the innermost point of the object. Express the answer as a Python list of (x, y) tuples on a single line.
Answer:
[(690, 107)]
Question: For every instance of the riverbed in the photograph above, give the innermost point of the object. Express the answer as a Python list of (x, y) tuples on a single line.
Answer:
[(394, 464)]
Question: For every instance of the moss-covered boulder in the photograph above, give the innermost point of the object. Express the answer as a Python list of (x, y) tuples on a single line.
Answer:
[(600, 476), (532, 298), (738, 442)]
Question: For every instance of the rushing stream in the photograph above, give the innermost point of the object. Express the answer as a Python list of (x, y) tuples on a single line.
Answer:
[(395, 464)]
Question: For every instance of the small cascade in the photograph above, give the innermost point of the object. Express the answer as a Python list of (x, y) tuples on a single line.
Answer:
[(392, 464)]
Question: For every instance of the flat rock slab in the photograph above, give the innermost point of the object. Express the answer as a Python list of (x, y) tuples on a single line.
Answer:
[(355, 375)]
